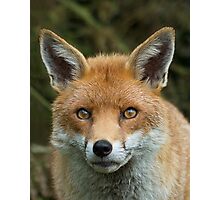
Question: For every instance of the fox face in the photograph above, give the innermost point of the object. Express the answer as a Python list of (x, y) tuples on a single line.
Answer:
[(108, 109)]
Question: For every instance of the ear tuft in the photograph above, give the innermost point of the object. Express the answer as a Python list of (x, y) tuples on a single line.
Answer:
[(151, 59), (64, 63)]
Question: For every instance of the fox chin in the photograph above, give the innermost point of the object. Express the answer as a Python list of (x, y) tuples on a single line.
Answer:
[(114, 136)]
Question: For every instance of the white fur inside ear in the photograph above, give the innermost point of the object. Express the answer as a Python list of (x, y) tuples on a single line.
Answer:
[(63, 62), (148, 52), (68, 56), (151, 59), (58, 50)]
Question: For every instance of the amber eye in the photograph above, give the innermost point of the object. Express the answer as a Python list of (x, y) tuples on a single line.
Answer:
[(82, 113), (130, 113)]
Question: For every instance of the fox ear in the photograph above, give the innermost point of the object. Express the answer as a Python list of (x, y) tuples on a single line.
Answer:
[(64, 63), (151, 59)]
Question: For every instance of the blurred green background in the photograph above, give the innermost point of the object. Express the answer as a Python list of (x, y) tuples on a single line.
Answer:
[(94, 26)]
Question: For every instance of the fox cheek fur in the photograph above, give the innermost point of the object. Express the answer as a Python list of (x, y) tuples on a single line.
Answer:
[(114, 137)]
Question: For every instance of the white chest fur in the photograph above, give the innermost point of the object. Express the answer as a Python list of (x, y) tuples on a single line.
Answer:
[(137, 180)]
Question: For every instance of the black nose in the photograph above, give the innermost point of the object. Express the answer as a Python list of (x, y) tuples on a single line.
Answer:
[(102, 148)]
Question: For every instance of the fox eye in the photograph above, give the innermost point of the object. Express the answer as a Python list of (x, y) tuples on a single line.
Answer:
[(130, 113), (82, 113)]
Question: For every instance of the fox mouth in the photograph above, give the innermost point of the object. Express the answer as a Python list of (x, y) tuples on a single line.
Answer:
[(105, 164), (108, 166)]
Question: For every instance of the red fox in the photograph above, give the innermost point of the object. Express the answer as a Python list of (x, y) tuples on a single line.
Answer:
[(114, 137)]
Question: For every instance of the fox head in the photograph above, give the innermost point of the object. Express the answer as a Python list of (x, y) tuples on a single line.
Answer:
[(108, 109)]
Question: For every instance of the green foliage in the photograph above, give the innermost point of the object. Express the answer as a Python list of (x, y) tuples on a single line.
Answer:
[(105, 26)]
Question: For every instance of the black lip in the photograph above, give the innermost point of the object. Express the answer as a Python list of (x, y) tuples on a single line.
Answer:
[(104, 164)]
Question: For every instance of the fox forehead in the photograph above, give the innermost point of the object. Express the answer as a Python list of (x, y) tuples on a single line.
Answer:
[(108, 67)]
